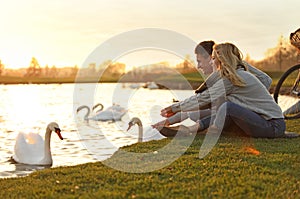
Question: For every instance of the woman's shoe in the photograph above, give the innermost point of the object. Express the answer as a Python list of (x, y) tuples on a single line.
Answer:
[(290, 135), (174, 130), (180, 130)]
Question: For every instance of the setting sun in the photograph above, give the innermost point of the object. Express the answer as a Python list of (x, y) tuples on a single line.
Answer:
[(28, 110), (16, 58)]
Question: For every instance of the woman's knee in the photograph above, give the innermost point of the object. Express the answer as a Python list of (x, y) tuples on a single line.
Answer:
[(229, 109), (226, 107)]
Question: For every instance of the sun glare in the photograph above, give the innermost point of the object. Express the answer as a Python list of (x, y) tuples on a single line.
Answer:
[(252, 150), (26, 106), (16, 59)]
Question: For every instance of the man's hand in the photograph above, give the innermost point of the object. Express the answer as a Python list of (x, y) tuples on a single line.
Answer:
[(167, 112)]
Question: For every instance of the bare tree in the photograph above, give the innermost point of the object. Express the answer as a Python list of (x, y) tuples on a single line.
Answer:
[(34, 69), (53, 71), (278, 58), (1, 67)]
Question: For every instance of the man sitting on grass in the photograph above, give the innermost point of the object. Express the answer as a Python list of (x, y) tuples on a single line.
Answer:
[(203, 117)]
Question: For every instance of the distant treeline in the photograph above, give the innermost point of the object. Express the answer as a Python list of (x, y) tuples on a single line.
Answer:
[(279, 58)]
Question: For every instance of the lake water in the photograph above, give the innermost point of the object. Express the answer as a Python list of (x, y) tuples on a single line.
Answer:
[(29, 108)]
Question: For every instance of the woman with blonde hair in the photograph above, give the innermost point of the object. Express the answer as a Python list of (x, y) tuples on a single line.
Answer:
[(203, 52), (240, 98), (248, 104)]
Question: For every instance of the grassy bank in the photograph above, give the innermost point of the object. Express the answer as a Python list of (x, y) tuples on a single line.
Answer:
[(235, 168), (48, 80)]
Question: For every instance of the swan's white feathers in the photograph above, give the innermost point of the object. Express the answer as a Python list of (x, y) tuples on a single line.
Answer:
[(28, 143), (147, 135), (115, 112), (152, 134), (32, 149)]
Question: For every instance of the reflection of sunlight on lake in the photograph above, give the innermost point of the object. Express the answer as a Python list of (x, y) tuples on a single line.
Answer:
[(25, 105), (29, 108)]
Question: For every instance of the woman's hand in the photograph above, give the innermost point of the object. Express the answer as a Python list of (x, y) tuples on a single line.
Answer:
[(161, 124)]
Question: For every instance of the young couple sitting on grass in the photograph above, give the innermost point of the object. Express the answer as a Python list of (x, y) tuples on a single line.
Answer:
[(235, 95)]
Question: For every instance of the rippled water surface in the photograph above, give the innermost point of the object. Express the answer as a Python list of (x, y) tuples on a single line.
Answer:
[(29, 108)]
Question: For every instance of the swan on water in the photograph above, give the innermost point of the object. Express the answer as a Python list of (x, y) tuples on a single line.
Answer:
[(96, 106), (86, 116), (151, 85), (114, 113), (150, 133), (32, 149)]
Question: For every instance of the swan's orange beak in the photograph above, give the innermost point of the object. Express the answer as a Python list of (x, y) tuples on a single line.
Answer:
[(57, 131)]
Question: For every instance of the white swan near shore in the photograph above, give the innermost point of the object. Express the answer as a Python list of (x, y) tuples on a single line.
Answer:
[(32, 149), (148, 135)]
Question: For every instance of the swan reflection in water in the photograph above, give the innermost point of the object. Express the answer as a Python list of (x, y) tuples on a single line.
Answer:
[(20, 169)]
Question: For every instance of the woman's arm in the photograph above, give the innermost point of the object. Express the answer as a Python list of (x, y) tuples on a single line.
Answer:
[(203, 100), (265, 79)]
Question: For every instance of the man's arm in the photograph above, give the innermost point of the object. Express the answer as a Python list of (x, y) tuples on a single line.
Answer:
[(209, 81)]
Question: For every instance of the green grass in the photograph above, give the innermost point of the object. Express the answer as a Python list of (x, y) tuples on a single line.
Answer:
[(34, 80), (229, 171), (275, 76), (193, 77)]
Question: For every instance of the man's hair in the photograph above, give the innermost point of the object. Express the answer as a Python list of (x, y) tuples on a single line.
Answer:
[(205, 48)]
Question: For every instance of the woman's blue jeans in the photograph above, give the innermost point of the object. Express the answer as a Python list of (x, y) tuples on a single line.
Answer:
[(248, 121)]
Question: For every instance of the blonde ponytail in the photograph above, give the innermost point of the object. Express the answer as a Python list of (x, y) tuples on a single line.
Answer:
[(230, 58)]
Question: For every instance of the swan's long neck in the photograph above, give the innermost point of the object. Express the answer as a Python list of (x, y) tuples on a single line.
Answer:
[(137, 121), (96, 106), (140, 138), (86, 117), (47, 149)]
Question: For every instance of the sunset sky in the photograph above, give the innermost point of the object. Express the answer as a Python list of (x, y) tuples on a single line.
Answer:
[(65, 32)]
